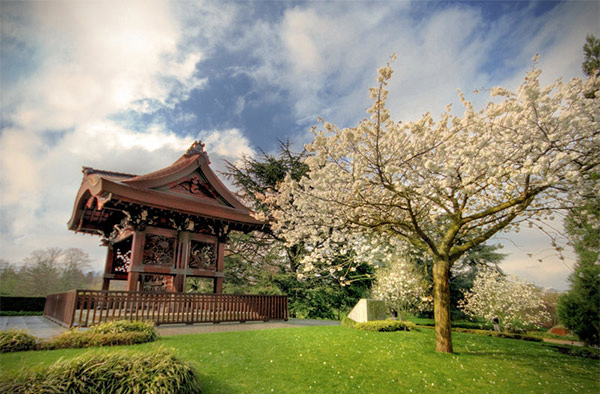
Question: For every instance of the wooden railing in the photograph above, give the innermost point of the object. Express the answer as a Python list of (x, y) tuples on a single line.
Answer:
[(84, 308)]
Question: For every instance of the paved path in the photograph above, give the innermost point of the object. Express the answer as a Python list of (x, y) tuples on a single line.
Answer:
[(41, 327), (38, 326)]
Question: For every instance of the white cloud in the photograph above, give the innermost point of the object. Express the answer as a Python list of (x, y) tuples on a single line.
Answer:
[(99, 58), (93, 60)]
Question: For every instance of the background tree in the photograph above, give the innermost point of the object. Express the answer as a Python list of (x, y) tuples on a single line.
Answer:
[(591, 52), (579, 308), (403, 288), (464, 271), (514, 303), (47, 271), (444, 187)]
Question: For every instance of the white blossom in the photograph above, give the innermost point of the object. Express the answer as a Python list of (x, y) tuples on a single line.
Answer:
[(402, 288), (512, 302)]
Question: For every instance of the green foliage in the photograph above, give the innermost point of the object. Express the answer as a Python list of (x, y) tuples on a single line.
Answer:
[(16, 340), (159, 371), (82, 339), (380, 325), (122, 332), (256, 177), (385, 326), (591, 51), (119, 326), (579, 308), (26, 304), (321, 297)]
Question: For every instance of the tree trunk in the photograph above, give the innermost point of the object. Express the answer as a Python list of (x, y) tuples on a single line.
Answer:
[(441, 305)]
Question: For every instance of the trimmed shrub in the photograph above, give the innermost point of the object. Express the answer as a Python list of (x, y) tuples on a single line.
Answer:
[(380, 325), (386, 326), (121, 332), (28, 304), (16, 340), (121, 326), (159, 371), (81, 339)]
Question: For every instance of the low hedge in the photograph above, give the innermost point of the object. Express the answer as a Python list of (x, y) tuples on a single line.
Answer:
[(380, 325), (120, 332), (577, 351), (25, 304), (159, 371), (16, 341), (122, 326), (21, 313), (497, 334), (81, 339)]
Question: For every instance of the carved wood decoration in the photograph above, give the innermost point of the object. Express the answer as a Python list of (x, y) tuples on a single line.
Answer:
[(122, 257), (157, 283), (203, 255), (198, 186), (159, 250)]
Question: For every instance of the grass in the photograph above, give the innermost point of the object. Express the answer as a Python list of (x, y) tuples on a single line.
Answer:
[(339, 359)]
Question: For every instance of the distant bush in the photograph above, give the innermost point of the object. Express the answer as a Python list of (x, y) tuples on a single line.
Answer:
[(16, 304), (16, 340), (122, 332), (159, 371), (380, 325)]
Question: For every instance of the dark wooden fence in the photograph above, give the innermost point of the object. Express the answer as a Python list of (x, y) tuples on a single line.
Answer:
[(84, 308)]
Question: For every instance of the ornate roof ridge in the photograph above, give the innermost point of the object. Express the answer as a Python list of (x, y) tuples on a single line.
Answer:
[(90, 171)]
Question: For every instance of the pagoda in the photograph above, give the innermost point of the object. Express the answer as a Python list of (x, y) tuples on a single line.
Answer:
[(162, 227)]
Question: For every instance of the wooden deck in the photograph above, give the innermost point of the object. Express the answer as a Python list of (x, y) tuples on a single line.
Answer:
[(84, 308)]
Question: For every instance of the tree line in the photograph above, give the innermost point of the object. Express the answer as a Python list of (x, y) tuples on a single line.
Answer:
[(48, 271)]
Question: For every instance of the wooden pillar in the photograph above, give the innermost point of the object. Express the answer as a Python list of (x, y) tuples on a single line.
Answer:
[(137, 252), (218, 281), (182, 260), (108, 267)]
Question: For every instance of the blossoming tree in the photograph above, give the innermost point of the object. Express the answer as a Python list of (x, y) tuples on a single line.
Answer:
[(446, 186), (512, 302), (402, 288)]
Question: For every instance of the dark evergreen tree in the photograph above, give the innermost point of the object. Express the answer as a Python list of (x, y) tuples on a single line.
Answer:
[(263, 263)]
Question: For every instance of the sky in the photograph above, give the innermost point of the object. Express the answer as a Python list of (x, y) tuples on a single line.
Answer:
[(128, 86)]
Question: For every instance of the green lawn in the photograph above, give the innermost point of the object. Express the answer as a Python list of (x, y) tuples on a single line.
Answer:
[(343, 360)]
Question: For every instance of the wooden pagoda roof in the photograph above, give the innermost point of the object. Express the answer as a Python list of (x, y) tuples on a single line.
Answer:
[(186, 187)]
